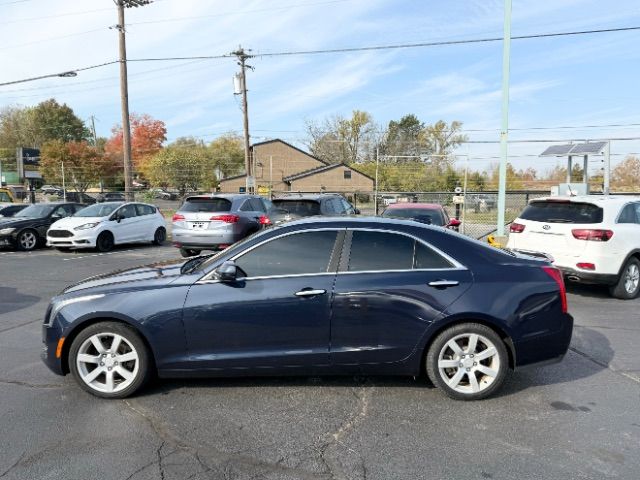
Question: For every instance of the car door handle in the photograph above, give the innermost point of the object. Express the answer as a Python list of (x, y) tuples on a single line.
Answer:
[(309, 293), (443, 283)]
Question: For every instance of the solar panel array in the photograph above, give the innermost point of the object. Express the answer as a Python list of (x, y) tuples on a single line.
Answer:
[(589, 148)]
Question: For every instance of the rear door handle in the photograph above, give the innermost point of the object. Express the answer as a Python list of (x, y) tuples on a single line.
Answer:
[(309, 293), (443, 283)]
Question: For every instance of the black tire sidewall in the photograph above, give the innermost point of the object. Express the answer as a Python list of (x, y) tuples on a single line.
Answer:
[(159, 231), (431, 360), (618, 290), (100, 239), (144, 357)]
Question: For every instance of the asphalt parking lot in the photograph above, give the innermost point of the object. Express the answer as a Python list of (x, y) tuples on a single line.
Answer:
[(579, 419)]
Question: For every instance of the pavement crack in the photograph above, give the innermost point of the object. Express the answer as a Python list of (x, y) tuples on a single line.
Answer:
[(159, 455), (13, 327), (14, 465), (31, 385), (604, 365)]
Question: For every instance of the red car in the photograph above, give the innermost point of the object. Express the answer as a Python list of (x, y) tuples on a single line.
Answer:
[(429, 213)]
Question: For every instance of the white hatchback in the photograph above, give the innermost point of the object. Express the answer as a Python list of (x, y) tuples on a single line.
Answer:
[(104, 225), (592, 239)]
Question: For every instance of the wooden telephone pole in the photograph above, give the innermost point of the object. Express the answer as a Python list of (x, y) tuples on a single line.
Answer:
[(242, 58)]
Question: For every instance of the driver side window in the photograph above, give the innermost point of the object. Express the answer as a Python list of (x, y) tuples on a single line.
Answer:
[(296, 254)]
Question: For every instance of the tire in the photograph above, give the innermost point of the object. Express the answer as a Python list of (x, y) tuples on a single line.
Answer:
[(452, 369), (628, 285), (27, 240), (104, 243), (187, 252), (160, 236), (106, 373)]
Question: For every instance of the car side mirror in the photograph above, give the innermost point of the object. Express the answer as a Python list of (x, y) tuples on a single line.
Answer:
[(454, 223), (227, 272)]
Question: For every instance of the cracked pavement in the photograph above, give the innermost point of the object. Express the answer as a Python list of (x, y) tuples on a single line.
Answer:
[(579, 419)]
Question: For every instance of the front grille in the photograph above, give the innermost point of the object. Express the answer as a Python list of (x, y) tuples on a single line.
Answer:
[(60, 233)]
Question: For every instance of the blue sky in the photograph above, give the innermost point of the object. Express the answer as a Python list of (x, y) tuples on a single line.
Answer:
[(561, 81)]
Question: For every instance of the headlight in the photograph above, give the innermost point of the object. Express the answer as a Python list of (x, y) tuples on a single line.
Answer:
[(87, 226), (57, 306), (6, 231)]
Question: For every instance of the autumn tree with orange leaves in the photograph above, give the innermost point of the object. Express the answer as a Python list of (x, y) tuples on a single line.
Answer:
[(147, 137)]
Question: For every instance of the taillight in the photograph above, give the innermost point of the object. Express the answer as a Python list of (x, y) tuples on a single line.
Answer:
[(264, 220), (516, 228), (177, 217), (557, 276), (592, 234), (226, 218)]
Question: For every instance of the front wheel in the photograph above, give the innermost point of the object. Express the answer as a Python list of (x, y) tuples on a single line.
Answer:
[(105, 242), (110, 360), (468, 361), (27, 240), (160, 236), (628, 284)]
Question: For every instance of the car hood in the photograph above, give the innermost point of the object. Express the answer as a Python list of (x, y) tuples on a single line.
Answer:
[(72, 222), (17, 222), (141, 277)]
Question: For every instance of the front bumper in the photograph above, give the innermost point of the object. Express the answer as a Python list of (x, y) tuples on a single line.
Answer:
[(7, 241), (82, 240), (51, 335)]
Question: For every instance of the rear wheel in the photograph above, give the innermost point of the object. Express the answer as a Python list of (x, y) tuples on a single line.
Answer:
[(110, 360), (160, 236), (27, 240), (628, 284), (468, 361), (187, 252), (104, 243)]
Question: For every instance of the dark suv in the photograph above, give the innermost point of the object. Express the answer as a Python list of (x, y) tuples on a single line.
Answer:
[(327, 204)]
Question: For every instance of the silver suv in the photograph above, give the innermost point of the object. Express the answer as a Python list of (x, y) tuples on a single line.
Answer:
[(213, 222)]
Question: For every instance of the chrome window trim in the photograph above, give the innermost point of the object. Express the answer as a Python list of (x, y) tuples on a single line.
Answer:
[(286, 234), (456, 265)]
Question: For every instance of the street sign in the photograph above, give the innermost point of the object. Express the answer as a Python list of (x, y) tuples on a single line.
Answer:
[(251, 182), (458, 199)]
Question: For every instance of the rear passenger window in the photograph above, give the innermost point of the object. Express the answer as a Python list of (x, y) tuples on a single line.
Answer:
[(144, 209), (374, 251), (629, 214)]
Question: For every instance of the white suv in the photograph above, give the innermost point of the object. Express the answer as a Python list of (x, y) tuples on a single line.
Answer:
[(592, 239)]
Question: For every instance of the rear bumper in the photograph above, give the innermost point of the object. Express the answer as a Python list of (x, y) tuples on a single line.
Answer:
[(204, 238), (544, 349), (581, 276)]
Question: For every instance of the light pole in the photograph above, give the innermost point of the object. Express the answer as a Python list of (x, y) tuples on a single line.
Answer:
[(124, 93)]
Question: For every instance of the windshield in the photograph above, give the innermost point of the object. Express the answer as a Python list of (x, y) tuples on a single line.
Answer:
[(36, 211), (98, 210), (302, 208), (423, 214), (4, 197), (206, 204), (562, 212)]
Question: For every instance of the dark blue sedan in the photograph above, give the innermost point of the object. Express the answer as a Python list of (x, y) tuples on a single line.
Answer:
[(354, 296)]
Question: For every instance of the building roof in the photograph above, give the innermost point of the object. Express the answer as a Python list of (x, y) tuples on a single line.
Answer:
[(235, 177), (324, 168), (324, 162)]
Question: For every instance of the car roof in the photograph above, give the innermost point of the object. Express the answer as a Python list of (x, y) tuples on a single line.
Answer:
[(601, 200), (226, 196), (347, 221), (316, 196), (426, 206)]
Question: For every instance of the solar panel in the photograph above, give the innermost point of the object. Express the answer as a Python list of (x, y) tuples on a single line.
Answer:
[(557, 150), (592, 148)]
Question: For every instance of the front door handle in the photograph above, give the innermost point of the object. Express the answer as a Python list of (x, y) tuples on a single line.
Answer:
[(443, 283), (310, 293)]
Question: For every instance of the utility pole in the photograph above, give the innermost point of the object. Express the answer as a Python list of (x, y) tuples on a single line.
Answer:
[(242, 58), (95, 144), (124, 94), (504, 128)]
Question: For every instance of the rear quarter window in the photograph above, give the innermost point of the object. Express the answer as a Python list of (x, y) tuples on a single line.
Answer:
[(206, 205), (562, 212), (303, 208)]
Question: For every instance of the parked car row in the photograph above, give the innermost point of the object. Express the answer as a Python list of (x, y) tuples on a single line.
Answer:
[(65, 225)]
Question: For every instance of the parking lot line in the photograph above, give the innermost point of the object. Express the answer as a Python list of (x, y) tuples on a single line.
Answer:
[(98, 255)]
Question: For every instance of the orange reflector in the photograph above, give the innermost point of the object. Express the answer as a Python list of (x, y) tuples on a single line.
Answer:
[(59, 347)]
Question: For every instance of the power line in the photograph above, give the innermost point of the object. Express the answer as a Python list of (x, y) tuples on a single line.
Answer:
[(67, 73)]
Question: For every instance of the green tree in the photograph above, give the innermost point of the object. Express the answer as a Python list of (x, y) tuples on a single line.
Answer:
[(402, 137), (227, 154), (440, 140), (83, 165), (184, 168)]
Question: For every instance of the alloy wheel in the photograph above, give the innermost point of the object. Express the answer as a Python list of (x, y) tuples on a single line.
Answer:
[(107, 362), (631, 278), (28, 240), (469, 363)]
